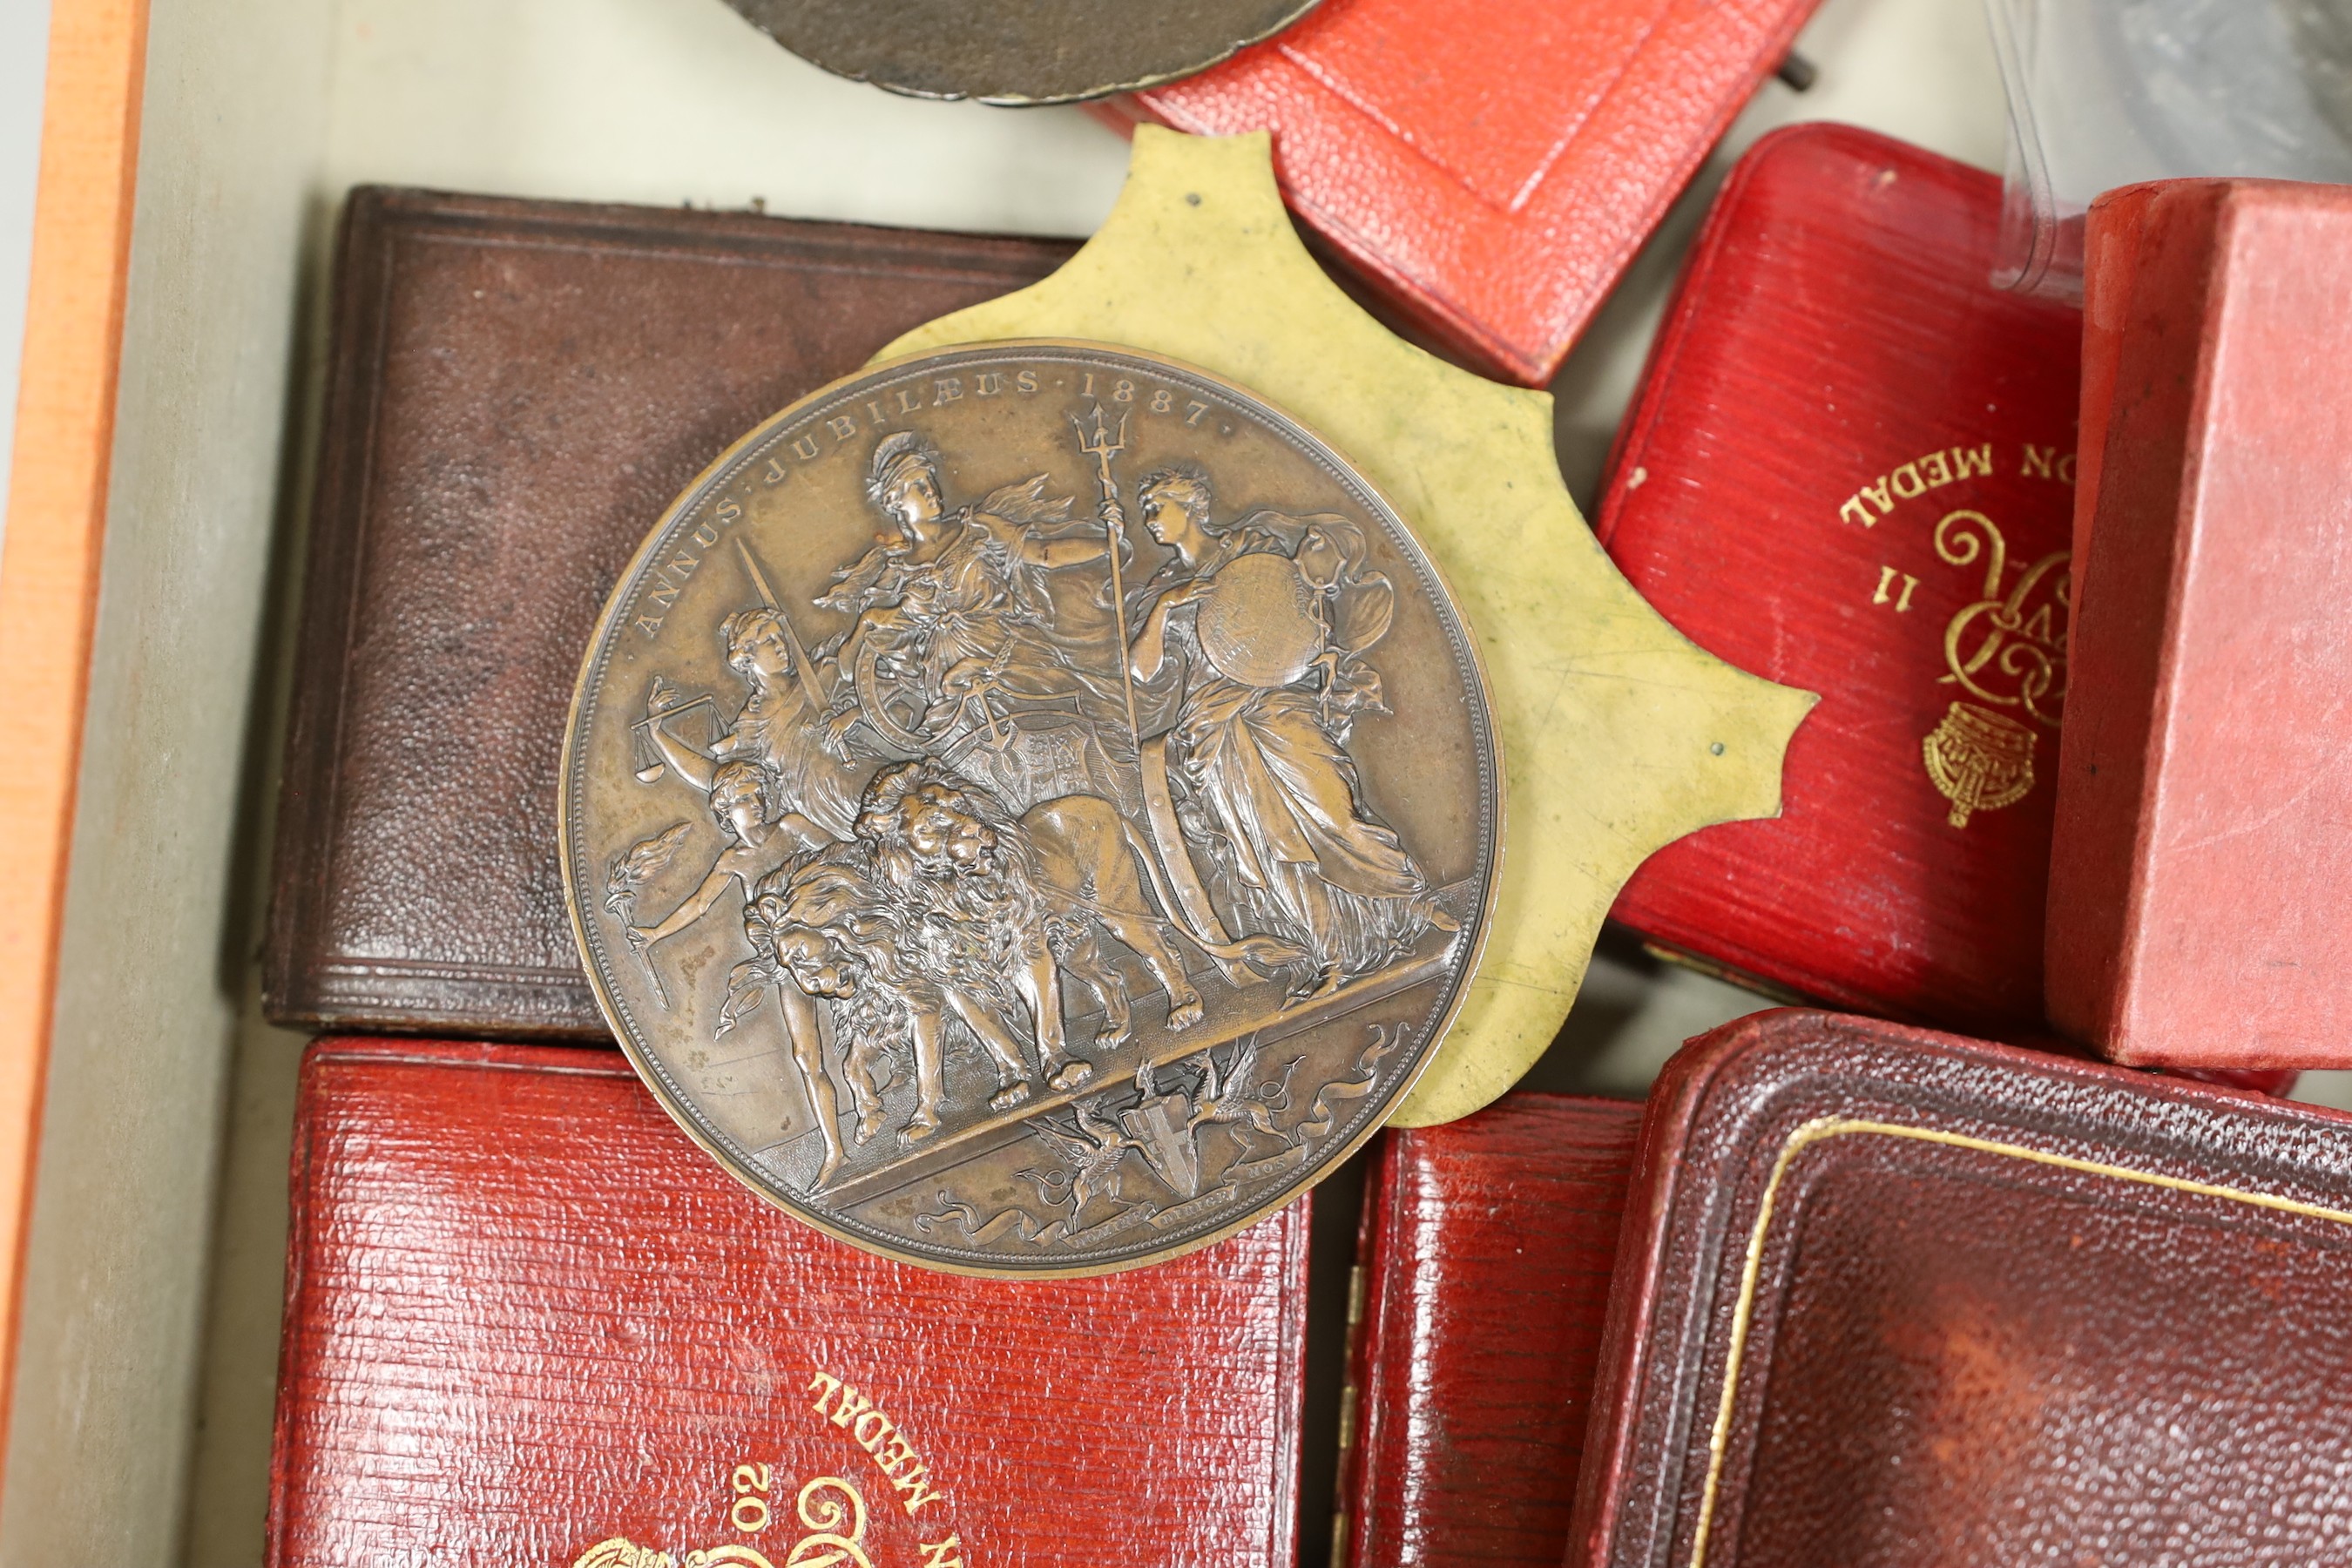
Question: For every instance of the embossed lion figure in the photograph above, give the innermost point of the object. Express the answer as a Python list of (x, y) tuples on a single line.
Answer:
[(1007, 899), (831, 931), (950, 910)]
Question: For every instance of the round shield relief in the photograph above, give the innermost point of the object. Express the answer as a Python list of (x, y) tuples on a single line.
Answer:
[(955, 866), (1257, 622), (1016, 51)]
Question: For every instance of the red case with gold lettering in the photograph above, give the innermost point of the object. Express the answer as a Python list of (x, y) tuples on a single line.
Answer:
[(1888, 1298), (528, 1322), (1849, 469), (1483, 1273), (1492, 164)]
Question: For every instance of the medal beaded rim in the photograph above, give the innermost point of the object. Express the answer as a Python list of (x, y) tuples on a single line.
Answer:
[(1372, 1110)]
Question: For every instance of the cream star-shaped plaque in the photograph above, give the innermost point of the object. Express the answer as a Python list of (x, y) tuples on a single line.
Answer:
[(1619, 734)]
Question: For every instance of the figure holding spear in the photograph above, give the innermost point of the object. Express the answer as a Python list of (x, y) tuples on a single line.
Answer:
[(780, 725), (818, 698)]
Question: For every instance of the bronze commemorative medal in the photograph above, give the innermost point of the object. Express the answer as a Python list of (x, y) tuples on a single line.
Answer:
[(1030, 809), (1016, 51)]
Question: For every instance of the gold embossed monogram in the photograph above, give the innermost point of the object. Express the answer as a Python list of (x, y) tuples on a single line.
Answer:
[(2007, 650), (831, 1511)]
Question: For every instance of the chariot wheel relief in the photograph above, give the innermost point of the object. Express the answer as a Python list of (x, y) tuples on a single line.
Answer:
[(1030, 809)]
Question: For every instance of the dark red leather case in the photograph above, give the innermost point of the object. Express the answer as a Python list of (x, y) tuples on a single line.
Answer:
[(2201, 884), (1492, 164), (1849, 469), (1484, 1272), (526, 1320), (516, 389), (1894, 1298)]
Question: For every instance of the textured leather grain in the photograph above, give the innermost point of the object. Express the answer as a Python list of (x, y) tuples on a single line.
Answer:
[(1485, 1265), (1848, 447), (525, 1315), (1974, 1305), (516, 391), (1493, 165), (2198, 902)]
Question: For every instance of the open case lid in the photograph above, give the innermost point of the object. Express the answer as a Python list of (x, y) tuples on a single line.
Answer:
[(1894, 1297)]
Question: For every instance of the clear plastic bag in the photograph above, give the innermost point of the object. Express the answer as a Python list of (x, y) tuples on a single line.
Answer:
[(2110, 92)]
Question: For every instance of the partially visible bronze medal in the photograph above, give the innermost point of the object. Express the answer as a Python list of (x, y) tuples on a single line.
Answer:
[(1031, 809), (1016, 51)]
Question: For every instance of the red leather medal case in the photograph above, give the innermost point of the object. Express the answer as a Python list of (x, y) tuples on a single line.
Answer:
[(528, 1322), (1888, 1297), (1849, 470), (1492, 164), (1484, 1269), (2201, 884)]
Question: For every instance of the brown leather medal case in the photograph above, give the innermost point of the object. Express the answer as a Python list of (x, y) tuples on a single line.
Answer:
[(1888, 1297), (517, 389)]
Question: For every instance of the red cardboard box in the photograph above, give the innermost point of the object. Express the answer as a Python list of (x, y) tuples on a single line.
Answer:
[(1484, 1272), (1889, 1298), (1492, 164), (1849, 469), (2201, 884), (528, 1322)]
